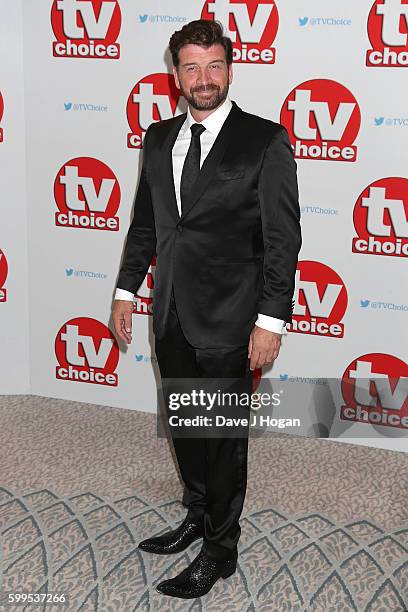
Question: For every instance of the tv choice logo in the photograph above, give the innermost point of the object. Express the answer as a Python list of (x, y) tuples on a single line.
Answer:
[(87, 194), (375, 391), (251, 25), (381, 218), (320, 301), (256, 379), (323, 120), (387, 28), (155, 97), (3, 276), (143, 300), (86, 28), (87, 351)]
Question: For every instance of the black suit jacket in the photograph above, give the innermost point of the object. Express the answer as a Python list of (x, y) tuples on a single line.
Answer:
[(233, 252)]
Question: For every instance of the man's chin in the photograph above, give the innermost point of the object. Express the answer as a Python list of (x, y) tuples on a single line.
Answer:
[(203, 103)]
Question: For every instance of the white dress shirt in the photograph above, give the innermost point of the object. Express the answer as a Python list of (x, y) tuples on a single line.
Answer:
[(213, 124)]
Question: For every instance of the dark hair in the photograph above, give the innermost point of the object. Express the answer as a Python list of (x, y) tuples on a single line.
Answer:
[(203, 32)]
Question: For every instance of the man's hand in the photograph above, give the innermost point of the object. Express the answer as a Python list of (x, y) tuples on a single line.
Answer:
[(122, 319), (263, 347)]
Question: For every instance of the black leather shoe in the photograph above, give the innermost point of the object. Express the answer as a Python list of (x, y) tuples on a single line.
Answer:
[(173, 541), (199, 577)]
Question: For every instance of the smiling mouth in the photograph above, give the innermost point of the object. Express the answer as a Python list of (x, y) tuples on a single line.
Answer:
[(206, 92)]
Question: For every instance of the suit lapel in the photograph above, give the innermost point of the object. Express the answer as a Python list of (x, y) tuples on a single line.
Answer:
[(167, 165), (212, 160)]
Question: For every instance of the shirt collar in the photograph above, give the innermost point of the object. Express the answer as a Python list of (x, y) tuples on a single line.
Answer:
[(214, 122)]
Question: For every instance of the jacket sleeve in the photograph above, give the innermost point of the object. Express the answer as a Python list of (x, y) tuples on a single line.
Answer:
[(140, 245), (281, 230)]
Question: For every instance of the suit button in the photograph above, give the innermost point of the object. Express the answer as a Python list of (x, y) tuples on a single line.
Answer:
[(179, 228)]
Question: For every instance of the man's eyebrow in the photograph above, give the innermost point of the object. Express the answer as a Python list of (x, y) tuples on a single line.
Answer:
[(212, 62)]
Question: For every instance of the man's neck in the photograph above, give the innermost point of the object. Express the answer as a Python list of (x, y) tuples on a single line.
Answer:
[(200, 115)]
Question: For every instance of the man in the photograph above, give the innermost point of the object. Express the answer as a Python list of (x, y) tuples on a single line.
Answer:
[(218, 203)]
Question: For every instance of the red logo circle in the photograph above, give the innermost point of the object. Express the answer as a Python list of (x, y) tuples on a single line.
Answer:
[(387, 28), (3, 268), (87, 194), (251, 25), (323, 119), (153, 98), (320, 300), (86, 28), (87, 351), (375, 390), (380, 218)]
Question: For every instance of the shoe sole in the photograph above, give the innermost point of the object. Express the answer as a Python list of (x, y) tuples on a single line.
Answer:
[(224, 576)]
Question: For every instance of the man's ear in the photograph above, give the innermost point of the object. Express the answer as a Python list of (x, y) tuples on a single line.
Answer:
[(176, 77), (230, 74)]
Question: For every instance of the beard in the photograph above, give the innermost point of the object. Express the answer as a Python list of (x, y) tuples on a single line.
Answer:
[(198, 103)]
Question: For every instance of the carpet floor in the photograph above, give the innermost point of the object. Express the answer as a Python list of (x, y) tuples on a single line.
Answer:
[(324, 526)]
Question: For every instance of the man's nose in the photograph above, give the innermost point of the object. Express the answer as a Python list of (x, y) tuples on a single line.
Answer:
[(203, 76)]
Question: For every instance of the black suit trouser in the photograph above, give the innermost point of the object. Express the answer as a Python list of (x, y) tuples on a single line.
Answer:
[(214, 469)]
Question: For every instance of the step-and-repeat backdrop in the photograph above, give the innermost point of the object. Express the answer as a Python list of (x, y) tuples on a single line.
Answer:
[(96, 74), (14, 341)]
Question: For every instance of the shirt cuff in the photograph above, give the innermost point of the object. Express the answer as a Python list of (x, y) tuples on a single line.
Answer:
[(271, 324), (122, 294)]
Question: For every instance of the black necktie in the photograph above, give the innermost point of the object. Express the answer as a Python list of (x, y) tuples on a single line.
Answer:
[(191, 167)]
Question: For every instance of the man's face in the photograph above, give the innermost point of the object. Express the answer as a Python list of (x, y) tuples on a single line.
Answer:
[(203, 76)]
